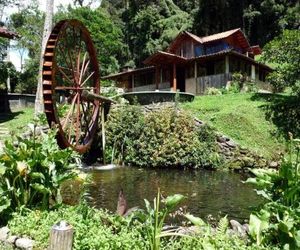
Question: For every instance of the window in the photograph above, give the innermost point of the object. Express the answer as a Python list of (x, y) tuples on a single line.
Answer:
[(199, 50)]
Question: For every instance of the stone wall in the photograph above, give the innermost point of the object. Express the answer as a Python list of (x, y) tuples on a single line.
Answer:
[(16, 101)]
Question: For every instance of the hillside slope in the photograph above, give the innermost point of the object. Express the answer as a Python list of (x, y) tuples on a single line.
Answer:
[(242, 117)]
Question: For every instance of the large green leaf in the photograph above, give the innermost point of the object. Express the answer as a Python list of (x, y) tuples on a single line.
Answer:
[(195, 220), (257, 224), (37, 175), (2, 169), (41, 188), (4, 203), (172, 201)]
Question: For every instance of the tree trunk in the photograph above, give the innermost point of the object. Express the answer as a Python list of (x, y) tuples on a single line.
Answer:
[(39, 106)]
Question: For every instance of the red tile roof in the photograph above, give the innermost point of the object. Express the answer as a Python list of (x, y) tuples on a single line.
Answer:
[(128, 73), (4, 32), (166, 57), (219, 36), (256, 50), (240, 36)]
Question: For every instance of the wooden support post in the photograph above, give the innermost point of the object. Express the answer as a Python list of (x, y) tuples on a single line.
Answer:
[(161, 77), (174, 78), (103, 132), (253, 76), (227, 64), (132, 82), (61, 236), (157, 78)]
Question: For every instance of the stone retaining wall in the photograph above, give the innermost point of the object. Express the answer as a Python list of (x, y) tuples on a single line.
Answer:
[(16, 101)]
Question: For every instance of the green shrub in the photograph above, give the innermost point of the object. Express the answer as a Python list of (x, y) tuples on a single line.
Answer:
[(162, 138), (94, 229), (98, 229), (213, 91), (32, 171), (279, 219)]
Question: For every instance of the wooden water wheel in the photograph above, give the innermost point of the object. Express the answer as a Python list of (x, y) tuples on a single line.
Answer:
[(70, 69)]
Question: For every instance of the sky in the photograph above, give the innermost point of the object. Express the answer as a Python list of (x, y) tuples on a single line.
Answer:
[(14, 56)]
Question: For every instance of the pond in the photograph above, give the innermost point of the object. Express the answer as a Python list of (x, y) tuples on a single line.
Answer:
[(215, 193)]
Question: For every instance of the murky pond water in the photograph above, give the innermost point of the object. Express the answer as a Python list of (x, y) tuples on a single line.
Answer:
[(209, 192)]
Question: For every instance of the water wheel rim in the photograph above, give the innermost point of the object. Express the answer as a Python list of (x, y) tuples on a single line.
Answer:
[(51, 86)]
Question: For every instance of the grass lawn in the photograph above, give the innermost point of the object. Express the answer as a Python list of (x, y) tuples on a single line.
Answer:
[(15, 122), (242, 117)]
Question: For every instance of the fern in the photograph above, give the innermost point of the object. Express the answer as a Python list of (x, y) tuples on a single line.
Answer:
[(222, 225)]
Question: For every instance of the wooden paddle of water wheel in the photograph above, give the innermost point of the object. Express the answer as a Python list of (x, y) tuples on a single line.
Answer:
[(71, 85)]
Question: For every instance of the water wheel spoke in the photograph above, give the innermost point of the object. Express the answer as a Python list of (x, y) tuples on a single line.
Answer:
[(71, 128), (87, 78), (65, 75), (67, 56), (84, 72), (82, 68), (69, 112), (78, 121), (78, 66), (87, 117), (68, 63)]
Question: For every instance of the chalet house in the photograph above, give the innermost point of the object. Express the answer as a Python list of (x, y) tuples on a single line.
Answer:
[(192, 63)]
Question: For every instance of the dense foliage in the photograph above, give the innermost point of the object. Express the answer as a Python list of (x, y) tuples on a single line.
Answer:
[(98, 229), (279, 220), (31, 173), (126, 32), (161, 138), (284, 54), (107, 35)]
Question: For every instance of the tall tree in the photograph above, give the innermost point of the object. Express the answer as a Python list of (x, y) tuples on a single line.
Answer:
[(284, 54), (106, 34), (39, 107)]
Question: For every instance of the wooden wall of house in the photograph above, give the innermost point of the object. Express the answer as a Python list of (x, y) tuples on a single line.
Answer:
[(217, 81), (186, 48)]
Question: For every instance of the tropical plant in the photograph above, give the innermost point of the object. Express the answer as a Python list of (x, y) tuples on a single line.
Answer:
[(153, 219), (279, 220), (32, 171)]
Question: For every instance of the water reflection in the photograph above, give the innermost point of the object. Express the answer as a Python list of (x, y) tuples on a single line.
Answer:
[(209, 192)]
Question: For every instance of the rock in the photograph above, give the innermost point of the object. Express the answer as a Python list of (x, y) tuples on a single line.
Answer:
[(4, 231), (238, 228), (130, 211), (221, 139), (24, 243), (227, 153), (248, 161), (198, 122), (192, 230), (231, 144), (273, 164), (246, 228), (12, 239)]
